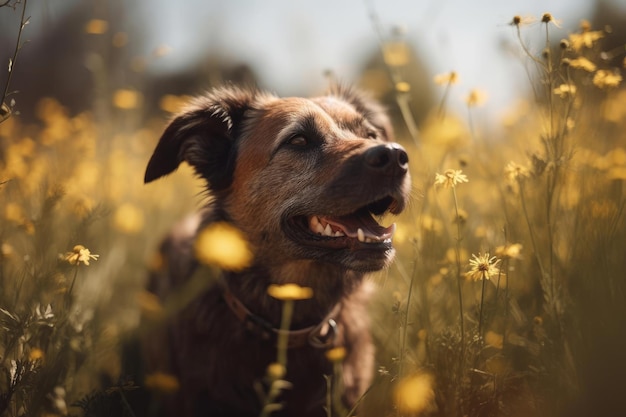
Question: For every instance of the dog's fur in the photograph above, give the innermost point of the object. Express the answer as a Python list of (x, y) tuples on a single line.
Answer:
[(270, 163)]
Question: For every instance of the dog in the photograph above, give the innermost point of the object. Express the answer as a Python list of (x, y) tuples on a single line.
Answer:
[(303, 180)]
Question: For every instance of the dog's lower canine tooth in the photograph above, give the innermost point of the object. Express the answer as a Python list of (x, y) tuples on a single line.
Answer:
[(314, 222), (360, 235), (328, 231)]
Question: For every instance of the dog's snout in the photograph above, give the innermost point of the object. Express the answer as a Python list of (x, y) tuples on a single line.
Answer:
[(388, 158)]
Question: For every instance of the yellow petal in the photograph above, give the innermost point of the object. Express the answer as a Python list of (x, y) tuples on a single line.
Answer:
[(290, 292), (223, 245)]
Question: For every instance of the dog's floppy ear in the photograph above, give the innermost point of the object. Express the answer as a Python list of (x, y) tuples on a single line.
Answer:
[(372, 110), (203, 136)]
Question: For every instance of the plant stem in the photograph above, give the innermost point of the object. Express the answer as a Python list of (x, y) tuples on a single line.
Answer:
[(442, 110), (19, 288), (356, 404), (406, 320), (15, 53), (458, 266), (531, 231), (480, 312), (402, 99), (69, 291), (329, 396), (283, 335), (460, 291)]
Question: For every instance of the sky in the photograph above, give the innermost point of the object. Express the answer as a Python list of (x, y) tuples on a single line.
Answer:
[(292, 43)]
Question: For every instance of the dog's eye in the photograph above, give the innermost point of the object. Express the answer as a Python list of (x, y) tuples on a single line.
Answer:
[(298, 140), (372, 135)]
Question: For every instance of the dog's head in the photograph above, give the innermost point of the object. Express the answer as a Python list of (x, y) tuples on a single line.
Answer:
[(304, 179)]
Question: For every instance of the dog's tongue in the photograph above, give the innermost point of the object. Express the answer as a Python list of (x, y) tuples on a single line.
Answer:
[(363, 220)]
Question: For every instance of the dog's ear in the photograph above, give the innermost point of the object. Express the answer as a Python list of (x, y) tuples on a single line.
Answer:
[(203, 136), (368, 107)]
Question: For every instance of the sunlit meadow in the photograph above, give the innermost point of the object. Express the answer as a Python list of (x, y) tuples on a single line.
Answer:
[(506, 298)]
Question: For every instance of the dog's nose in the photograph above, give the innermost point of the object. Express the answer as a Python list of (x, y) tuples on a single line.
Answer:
[(388, 159)]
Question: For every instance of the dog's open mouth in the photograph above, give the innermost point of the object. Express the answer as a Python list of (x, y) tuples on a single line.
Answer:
[(360, 226), (356, 229)]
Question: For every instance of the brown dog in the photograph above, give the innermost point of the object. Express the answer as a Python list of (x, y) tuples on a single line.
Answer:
[(301, 178)]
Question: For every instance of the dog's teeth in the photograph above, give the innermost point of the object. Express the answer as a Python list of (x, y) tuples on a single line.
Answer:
[(360, 235), (316, 226), (338, 234), (328, 231), (314, 222)]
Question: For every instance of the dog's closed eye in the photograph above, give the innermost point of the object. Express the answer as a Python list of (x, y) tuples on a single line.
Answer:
[(372, 135)]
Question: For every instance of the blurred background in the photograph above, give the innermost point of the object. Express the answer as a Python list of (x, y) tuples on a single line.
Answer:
[(182, 47), (529, 105)]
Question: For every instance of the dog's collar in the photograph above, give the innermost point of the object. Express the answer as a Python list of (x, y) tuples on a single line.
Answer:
[(320, 336)]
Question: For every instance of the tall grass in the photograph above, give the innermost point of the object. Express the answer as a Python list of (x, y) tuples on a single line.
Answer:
[(539, 329), (545, 195)]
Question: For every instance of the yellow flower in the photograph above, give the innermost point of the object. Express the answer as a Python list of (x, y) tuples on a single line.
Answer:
[(450, 178), (515, 172), (476, 98), (512, 251), (585, 39), (36, 354), (97, 27), (127, 99), (522, 21), (6, 251), (548, 18), (275, 371), (565, 90), (396, 54), (403, 87), (173, 104), (415, 394), (223, 245), (448, 78), (582, 63), (14, 212), (431, 224), (80, 254), (607, 79), (162, 383), (161, 51), (494, 339), (336, 354), (422, 334), (128, 219), (289, 292), (483, 267)]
